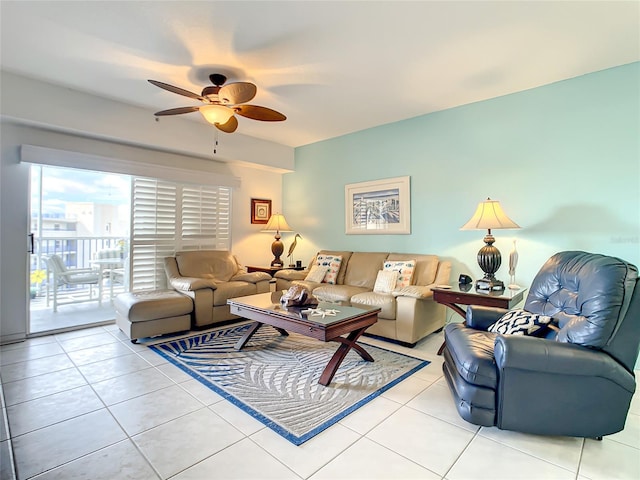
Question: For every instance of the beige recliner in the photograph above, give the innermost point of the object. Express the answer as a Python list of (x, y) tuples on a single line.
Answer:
[(210, 278)]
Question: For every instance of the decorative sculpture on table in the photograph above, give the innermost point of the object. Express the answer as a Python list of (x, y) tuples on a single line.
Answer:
[(292, 248), (513, 263)]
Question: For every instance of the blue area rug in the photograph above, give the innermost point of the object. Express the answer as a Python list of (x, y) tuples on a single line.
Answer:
[(274, 378)]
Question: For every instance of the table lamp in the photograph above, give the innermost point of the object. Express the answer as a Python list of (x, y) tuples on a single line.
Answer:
[(489, 215), (277, 223)]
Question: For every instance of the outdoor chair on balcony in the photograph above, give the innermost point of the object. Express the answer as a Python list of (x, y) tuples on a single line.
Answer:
[(111, 265), (60, 278)]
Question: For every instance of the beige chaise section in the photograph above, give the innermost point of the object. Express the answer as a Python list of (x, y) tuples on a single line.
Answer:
[(210, 278), (407, 315)]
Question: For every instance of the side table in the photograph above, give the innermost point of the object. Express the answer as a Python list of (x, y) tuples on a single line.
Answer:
[(459, 295)]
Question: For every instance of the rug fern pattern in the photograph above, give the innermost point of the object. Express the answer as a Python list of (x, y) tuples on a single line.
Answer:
[(275, 378)]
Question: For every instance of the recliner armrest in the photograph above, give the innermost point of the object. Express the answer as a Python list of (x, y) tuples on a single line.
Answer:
[(539, 355), (187, 284), (253, 277), (481, 318)]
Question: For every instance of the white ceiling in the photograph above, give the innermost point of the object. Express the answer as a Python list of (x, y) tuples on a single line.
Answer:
[(332, 67)]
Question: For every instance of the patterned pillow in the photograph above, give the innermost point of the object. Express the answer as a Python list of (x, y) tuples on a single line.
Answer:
[(520, 322), (316, 274), (332, 262), (385, 281), (405, 271)]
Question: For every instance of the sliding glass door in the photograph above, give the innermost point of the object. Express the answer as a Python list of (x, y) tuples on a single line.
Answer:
[(98, 234), (80, 222)]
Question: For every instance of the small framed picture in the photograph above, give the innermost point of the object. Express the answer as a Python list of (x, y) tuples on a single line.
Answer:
[(260, 210)]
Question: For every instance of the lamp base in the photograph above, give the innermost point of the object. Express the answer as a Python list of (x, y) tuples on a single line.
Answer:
[(489, 284)]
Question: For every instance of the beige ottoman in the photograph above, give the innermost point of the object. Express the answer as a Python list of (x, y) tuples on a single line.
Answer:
[(150, 313)]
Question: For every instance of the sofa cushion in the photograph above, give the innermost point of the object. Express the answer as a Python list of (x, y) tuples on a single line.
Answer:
[(219, 265), (385, 301), (520, 322), (385, 281), (363, 268), (405, 270), (332, 264), (336, 293)]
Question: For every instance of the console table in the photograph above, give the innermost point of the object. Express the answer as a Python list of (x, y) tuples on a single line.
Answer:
[(467, 295)]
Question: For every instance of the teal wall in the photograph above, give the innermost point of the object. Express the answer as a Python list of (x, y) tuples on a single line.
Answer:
[(563, 160)]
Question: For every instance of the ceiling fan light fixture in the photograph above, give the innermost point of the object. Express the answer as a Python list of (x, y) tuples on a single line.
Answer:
[(216, 114)]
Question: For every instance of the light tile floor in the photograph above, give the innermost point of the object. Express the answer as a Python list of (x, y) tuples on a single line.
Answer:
[(89, 404)]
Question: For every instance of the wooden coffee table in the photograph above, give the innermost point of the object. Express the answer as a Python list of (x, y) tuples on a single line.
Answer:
[(265, 309)]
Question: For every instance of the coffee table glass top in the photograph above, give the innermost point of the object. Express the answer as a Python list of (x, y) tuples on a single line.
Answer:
[(333, 312)]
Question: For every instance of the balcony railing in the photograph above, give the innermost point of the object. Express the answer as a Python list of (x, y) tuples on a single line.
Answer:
[(75, 252)]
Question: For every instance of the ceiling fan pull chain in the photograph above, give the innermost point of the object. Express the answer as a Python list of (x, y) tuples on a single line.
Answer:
[(215, 144)]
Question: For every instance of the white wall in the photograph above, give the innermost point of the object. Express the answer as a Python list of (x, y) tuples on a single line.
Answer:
[(73, 121)]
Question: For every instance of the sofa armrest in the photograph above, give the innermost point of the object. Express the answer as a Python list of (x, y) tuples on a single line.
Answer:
[(188, 284), (291, 275), (481, 318), (522, 353), (253, 277), (414, 291)]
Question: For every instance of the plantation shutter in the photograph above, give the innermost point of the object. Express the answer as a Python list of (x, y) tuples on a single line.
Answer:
[(153, 231), (205, 217), (169, 217)]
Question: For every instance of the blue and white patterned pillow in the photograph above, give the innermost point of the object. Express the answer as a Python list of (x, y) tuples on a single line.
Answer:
[(405, 270), (520, 322), (332, 263)]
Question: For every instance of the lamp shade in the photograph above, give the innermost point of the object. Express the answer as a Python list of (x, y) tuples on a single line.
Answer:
[(216, 114), (489, 215), (277, 223)]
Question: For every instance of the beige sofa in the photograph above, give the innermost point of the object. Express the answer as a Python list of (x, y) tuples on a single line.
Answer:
[(408, 314), (210, 277)]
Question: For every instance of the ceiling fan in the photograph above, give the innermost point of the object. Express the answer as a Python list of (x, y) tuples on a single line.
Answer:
[(221, 102)]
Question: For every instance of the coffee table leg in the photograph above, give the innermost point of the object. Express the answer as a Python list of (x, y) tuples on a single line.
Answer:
[(253, 329), (346, 344), (282, 331), (245, 338)]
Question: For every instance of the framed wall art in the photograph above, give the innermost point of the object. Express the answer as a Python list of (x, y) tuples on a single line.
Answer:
[(378, 207), (260, 210)]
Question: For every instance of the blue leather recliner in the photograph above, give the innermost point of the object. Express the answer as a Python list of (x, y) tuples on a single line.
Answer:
[(577, 379)]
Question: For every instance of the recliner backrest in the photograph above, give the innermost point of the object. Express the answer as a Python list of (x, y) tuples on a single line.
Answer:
[(587, 294), (219, 265)]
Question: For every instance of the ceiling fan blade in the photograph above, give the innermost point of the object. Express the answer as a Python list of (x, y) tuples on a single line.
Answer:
[(176, 111), (256, 112), (178, 90), (237, 92), (228, 127)]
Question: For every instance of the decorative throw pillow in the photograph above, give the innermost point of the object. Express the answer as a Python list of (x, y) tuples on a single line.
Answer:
[(385, 281), (520, 322), (316, 274), (332, 262), (405, 270)]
